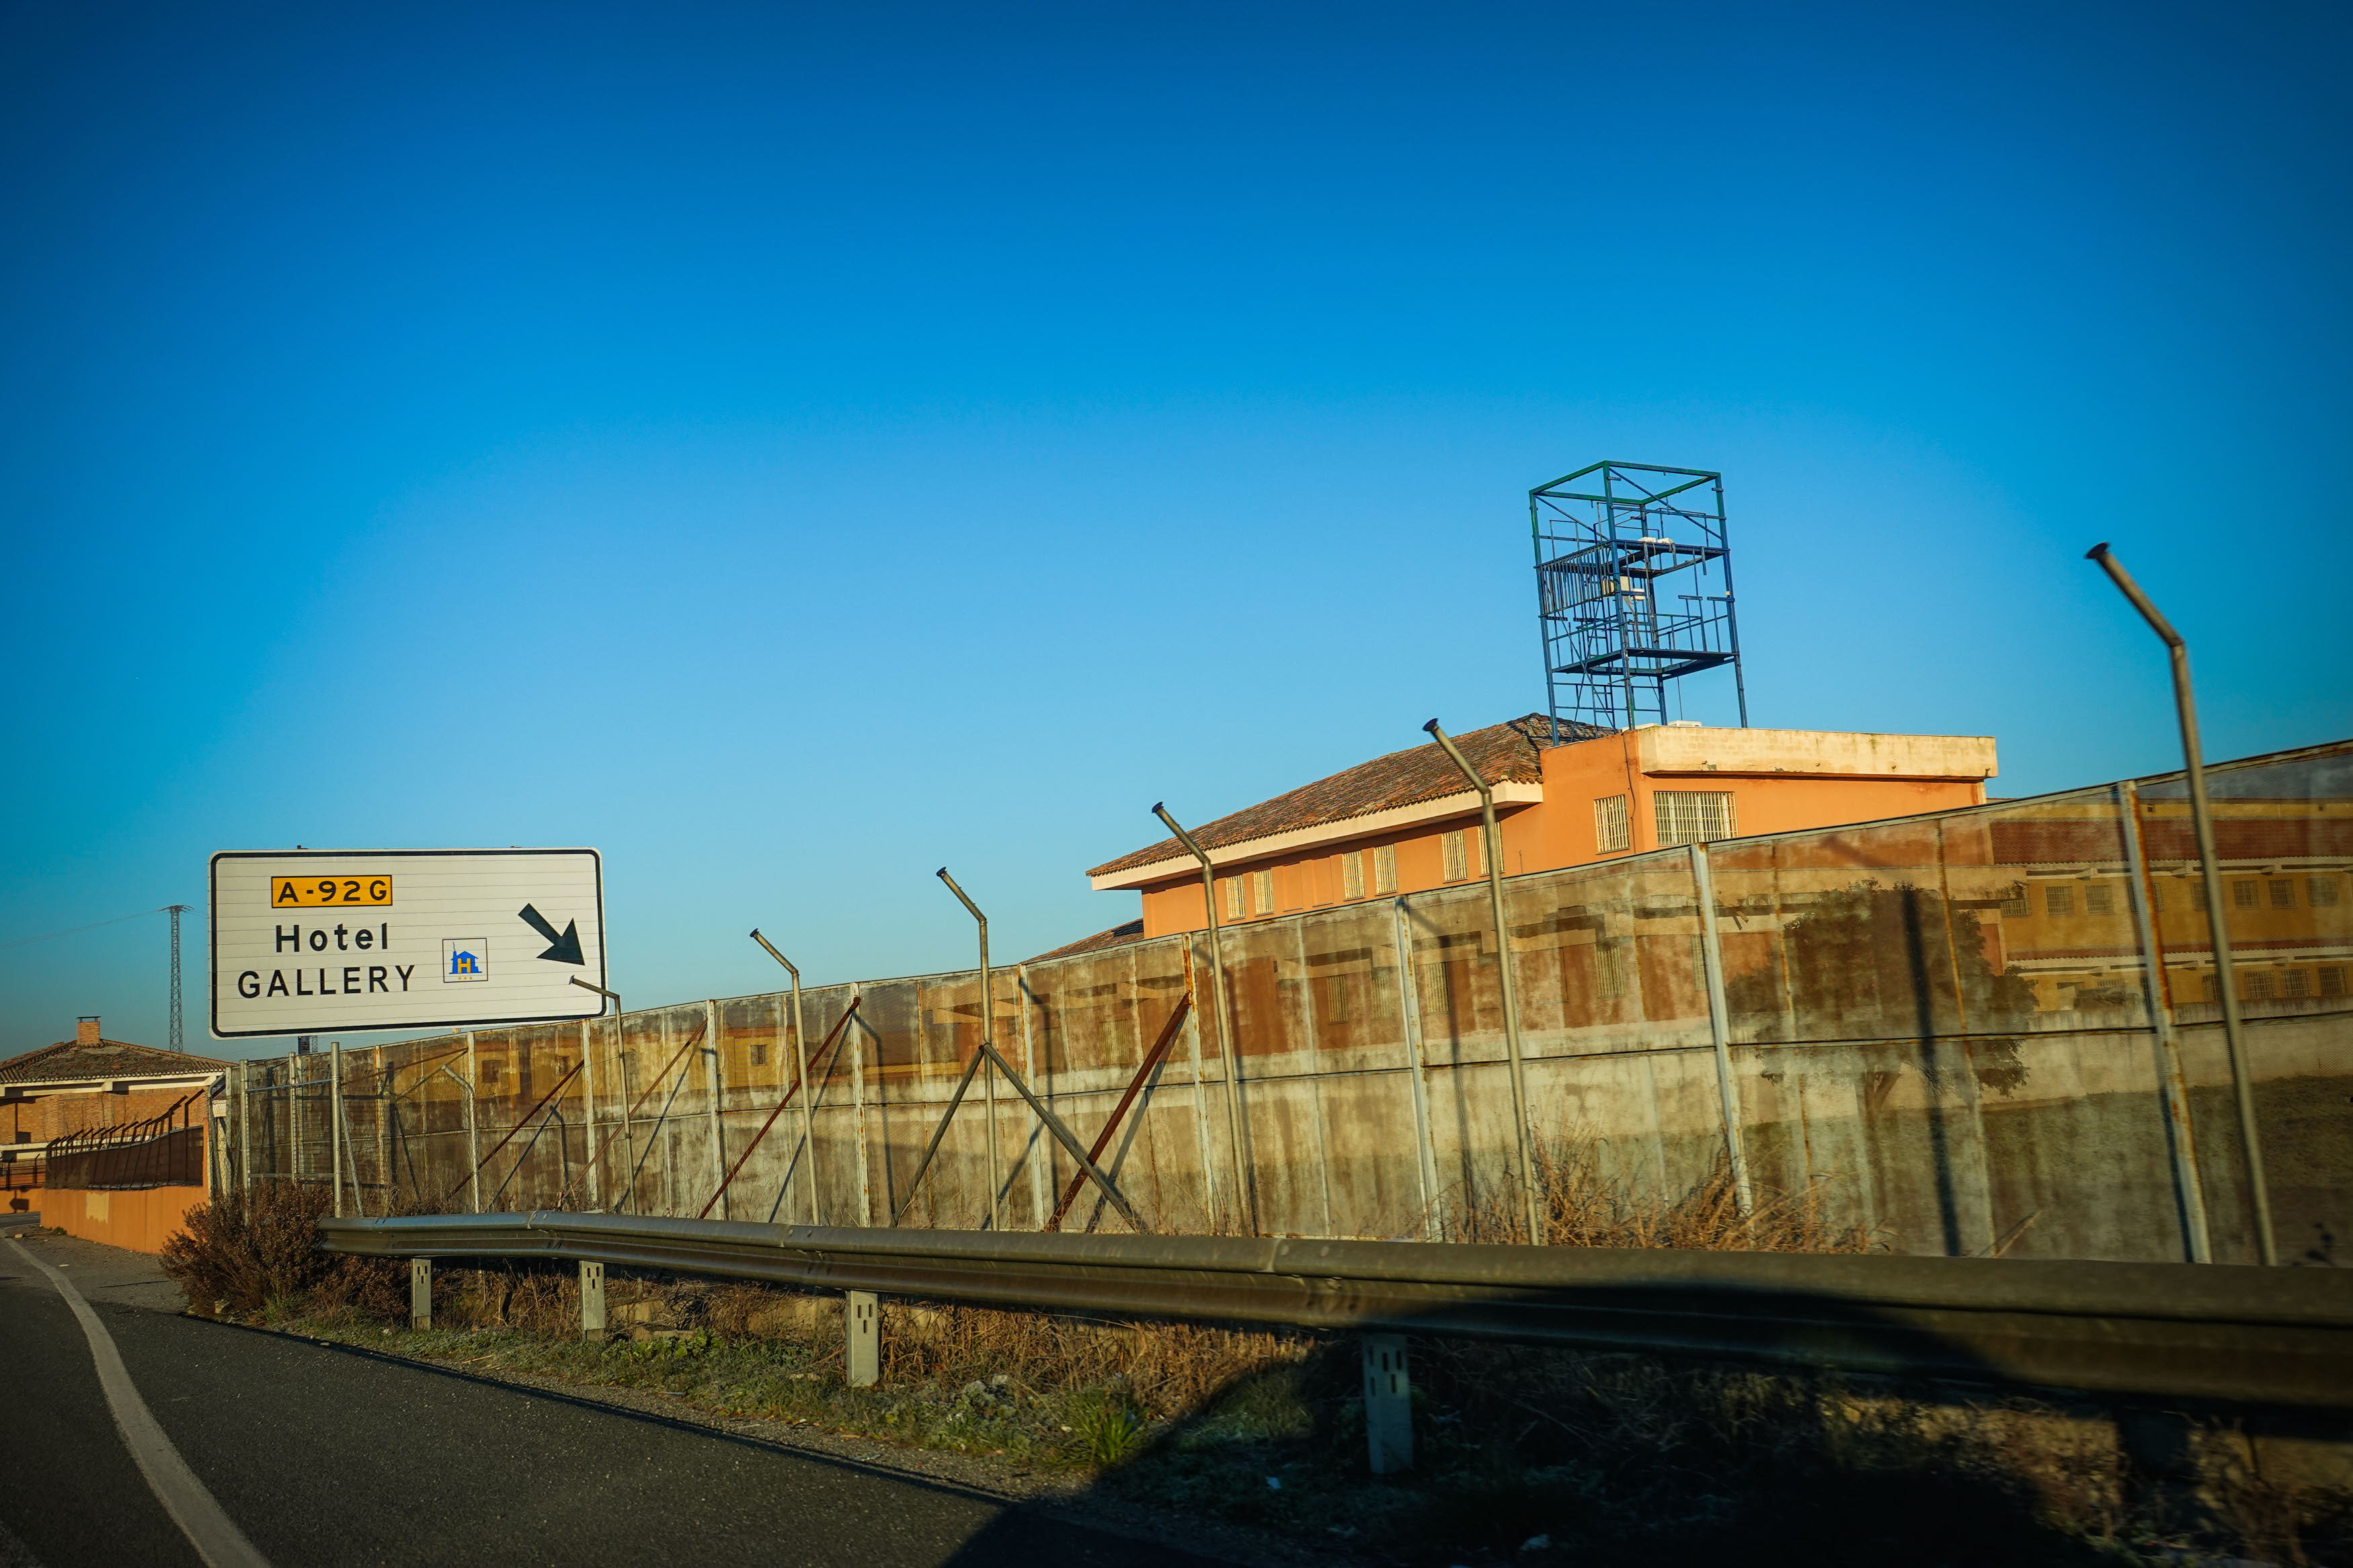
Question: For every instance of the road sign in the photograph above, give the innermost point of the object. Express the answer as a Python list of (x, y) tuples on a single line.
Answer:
[(317, 941)]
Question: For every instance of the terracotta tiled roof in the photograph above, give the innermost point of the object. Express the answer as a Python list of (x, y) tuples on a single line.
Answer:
[(1500, 752), (69, 1060), (1118, 936)]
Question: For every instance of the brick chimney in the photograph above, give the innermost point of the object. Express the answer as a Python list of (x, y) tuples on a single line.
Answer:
[(86, 1030)]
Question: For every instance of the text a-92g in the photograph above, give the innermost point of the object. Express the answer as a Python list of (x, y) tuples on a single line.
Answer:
[(329, 892)]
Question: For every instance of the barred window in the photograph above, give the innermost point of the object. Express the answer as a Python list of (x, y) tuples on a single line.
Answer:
[(2209, 988), (2320, 893), (2255, 986), (2295, 983), (2058, 900), (1613, 828), (1692, 817), (1456, 848), (2099, 898), (1262, 891), (1233, 898), (2197, 896), (2332, 980), (2282, 893), (2247, 895), (2156, 898), (1352, 874), (1385, 869), (2016, 905), (759, 1053)]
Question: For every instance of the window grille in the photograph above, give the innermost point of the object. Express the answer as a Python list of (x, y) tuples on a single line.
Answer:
[(1692, 817), (1613, 828), (2156, 898), (2320, 893), (2209, 988), (1352, 874), (2295, 983), (2247, 895), (1385, 869), (2282, 893), (2255, 986), (1262, 891), (1233, 898), (2058, 900), (2332, 981), (1458, 857), (2099, 898), (2015, 906)]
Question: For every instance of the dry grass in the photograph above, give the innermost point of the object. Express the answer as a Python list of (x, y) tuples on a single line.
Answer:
[(1579, 1204)]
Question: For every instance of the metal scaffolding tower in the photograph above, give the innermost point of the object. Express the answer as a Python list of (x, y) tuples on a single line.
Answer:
[(176, 911), (1634, 590)]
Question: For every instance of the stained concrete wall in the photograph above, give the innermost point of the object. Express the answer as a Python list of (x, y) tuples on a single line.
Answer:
[(1911, 1032)]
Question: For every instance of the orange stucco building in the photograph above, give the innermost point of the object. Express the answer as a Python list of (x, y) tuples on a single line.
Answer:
[(57, 1096), (1408, 821)]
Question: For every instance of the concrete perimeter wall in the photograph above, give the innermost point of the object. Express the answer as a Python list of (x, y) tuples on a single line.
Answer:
[(1953, 1028)]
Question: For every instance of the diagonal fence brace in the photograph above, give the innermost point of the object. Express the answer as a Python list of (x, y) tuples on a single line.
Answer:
[(832, 1041), (1054, 1124), (1152, 1060)]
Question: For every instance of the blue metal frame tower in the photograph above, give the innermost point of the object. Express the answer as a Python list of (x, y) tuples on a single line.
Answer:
[(1634, 590)]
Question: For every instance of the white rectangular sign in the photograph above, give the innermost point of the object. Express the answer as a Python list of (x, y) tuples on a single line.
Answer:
[(316, 940)]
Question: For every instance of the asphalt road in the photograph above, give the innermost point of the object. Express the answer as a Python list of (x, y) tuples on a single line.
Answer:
[(326, 1454)]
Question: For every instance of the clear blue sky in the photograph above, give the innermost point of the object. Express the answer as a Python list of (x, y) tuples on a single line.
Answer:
[(789, 448)]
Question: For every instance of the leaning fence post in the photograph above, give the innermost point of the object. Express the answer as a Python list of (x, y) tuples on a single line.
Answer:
[(420, 1292), (244, 1127), (473, 1134), (1719, 1024), (861, 1322), (710, 1033), (2173, 1095), (592, 1302), (1389, 1404)]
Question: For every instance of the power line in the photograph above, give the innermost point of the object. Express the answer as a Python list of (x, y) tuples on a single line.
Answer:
[(70, 930)]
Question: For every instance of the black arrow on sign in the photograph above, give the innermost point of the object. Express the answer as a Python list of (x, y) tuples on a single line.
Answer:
[(564, 949)]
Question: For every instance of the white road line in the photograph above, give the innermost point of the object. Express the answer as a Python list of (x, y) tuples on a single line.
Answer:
[(211, 1531)]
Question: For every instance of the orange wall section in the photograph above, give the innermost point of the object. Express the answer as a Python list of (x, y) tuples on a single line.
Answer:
[(136, 1221)]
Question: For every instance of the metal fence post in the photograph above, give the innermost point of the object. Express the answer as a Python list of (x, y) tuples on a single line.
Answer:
[(335, 1122), (718, 1136), (473, 1129), (861, 1319), (420, 1292), (1245, 1193), (987, 1022), (1433, 1205), (1040, 1198), (807, 1162), (244, 1126), (2172, 1093), (858, 1113), (1507, 983), (589, 1115), (592, 1302), (1389, 1404), (2217, 921), (1719, 1025)]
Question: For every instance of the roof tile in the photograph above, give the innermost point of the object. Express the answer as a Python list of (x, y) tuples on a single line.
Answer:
[(1509, 751)]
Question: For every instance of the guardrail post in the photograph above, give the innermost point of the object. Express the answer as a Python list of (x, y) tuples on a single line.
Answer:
[(1389, 1404), (592, 1302), (420, 1292), (861, 1321)]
